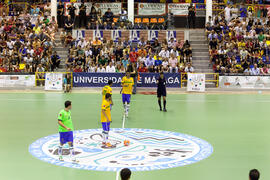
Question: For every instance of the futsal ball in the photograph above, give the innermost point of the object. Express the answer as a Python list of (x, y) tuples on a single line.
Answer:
[(126, 142)]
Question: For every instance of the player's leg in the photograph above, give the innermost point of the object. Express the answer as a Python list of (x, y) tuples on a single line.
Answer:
[(124, 102), (71, 148), (60, 148), (128, 103), (164, 102), (159, 99), (108, 144)]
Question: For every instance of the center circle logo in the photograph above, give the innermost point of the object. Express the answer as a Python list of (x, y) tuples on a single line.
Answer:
[(148, 150)]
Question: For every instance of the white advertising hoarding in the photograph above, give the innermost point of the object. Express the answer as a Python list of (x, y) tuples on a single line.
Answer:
[(246, 82), (54, 81), (17, 80), (196, 82), (145, 9)]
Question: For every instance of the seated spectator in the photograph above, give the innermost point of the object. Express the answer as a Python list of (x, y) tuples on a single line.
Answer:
[(173, 64), (108, 16), (77, 69), (110, 68), (255, 70), (189, 68)]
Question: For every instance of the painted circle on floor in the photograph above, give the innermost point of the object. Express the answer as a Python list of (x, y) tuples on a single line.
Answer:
[(149, 149)]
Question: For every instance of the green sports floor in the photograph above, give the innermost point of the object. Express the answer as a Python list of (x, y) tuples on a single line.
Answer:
[(237, 126)]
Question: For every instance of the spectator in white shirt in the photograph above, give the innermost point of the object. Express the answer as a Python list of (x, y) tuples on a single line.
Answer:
[(164, 53), (88, 52), (101, 69), (255, 70), (28, 59), (172, 43), (174, 52), (82, 43), (172, 62), (189, 68), (150, 61), (248, 71), (110, 68), (92, 68)]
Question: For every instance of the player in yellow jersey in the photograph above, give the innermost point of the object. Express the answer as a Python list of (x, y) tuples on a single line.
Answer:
[(127, 84), (106, 119), (107, 89)]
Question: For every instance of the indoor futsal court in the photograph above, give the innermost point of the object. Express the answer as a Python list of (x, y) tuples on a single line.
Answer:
[(234, 128)]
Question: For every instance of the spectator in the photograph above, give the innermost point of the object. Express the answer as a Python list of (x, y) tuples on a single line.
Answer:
[(69, 24), (133, 55), (108, 16), (82, 16), (255, 70), (189, 69), (55, 61), (71, 11), (110, 68)]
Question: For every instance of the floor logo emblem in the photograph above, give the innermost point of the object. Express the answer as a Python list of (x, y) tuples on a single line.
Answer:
[(149, 149)]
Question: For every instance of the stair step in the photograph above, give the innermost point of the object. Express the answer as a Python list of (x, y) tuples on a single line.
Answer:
[(197, 38), (200, 50), (200, 54), (199, 42)]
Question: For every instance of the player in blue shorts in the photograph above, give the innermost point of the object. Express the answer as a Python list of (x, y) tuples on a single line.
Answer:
[(127, 84), (66, 131)]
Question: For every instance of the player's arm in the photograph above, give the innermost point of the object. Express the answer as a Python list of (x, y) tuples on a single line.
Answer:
[(61, 124), (104, 113)]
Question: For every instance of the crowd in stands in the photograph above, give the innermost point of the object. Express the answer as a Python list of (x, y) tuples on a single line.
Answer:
[(93, 18), (145, 56), (27, 37), (239, 40)]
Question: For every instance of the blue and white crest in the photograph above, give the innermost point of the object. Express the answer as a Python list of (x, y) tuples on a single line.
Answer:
[(152, 35), (149, 149), (134, 35), (77, 34), (116, 34), (98, 34), (171, 34)]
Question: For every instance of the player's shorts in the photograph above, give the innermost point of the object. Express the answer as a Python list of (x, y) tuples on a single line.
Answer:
[(66, 137), (161, 93), (106, 126), (126, 98)]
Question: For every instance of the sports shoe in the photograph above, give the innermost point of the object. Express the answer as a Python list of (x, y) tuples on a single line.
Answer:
[(165, 110), (160, 109), (61, 158)]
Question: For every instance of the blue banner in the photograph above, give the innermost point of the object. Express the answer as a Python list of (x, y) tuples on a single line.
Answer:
[(101, 79)]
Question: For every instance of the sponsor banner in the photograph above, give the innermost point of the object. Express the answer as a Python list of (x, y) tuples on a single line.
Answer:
[(152, 35), (101, 79), (54, 81), (145, 9), (134, 35), (98, 34), (171, 34), (115, 7), (196, 82), (247, 82), (178, 9), (17, 80), (115, 35)]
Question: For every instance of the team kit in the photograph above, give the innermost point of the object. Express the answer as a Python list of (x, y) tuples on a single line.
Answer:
[(65, 122)]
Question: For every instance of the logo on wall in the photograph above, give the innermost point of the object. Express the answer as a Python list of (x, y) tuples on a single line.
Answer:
[(78, 34), (98, 34), (171, 34), (116, 34), (134, 35), (196, 82), (152, 35), (54, 81), (148, 150)]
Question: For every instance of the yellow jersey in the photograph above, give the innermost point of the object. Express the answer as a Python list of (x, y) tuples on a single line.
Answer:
[(106, 89), (128, 82), (106, 106)]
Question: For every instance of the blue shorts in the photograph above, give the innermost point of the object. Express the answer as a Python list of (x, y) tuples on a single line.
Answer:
[(106, 126), (126, 98), (66, 137)]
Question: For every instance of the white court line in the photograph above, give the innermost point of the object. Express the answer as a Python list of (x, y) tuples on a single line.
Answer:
[(123, 123), (117, 175)]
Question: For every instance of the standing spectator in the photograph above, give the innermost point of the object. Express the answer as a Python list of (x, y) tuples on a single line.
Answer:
[(82, 16), (170, 20), (123, 15), (71, 11), (254, 174), (191, 16), (133, 55), (69, 24), (60, 14)]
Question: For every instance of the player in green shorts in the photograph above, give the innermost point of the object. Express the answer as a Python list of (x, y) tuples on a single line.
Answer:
[(66, 131)]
